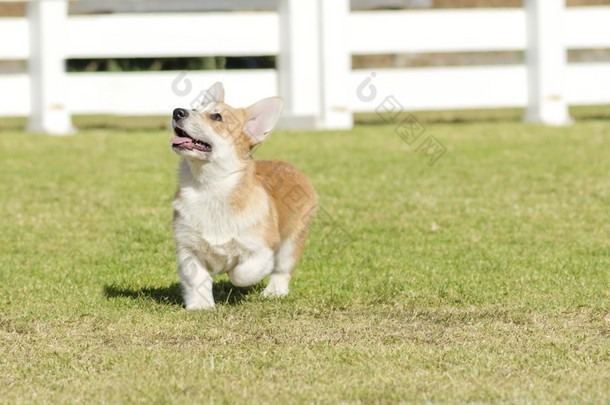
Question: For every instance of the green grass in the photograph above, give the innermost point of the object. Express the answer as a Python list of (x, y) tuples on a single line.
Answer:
[(482, 278)]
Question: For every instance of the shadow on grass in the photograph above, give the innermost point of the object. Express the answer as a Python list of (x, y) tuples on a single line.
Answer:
[(224, 293)]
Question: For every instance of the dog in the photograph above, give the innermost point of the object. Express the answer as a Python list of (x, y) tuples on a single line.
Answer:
[(233, 214)]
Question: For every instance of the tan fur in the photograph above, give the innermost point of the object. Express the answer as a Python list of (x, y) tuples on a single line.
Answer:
[(265, 205), (292, 194)]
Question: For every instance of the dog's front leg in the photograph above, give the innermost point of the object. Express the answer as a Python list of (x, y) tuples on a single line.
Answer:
[(253, 269), (196, 282)]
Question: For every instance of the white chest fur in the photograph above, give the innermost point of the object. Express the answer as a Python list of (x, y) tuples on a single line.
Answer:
[(207, 225)]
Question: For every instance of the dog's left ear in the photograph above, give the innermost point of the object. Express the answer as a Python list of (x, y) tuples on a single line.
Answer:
[(215, 93), (262, 117)]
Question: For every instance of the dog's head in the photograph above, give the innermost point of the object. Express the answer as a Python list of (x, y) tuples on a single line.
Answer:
[(216, 132)]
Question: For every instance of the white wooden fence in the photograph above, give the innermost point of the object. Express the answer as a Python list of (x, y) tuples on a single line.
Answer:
[(314, 41)]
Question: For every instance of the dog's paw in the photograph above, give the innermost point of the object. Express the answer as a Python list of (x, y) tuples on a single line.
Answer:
[(199, 306), (278, 285), (272, 291)]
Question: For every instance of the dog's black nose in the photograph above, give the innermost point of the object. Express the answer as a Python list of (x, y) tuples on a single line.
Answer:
[(180, 113)]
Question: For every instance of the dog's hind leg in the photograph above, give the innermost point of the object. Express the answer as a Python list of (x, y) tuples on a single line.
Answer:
[(286, 258)]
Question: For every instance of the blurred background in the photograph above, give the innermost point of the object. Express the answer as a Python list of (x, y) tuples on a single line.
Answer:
[(506, 58)]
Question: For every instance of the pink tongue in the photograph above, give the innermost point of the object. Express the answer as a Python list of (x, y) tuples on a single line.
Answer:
[(179, 140)]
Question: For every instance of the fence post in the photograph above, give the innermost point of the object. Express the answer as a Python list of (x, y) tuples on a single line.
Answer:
[(299, 63), (546, 62), (336, 64), (48, 88)]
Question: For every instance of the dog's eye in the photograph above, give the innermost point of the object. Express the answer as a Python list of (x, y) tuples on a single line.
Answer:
[(216, 117)]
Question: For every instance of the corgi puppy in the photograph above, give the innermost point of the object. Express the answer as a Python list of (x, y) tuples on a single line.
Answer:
[(233, 214)]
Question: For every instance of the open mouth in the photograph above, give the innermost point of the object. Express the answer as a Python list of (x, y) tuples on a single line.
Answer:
[(182, 140)]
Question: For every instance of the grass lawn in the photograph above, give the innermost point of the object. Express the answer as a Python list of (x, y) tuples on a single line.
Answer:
[(482, 278)]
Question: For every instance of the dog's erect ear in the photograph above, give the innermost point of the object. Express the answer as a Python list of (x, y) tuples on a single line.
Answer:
[(215, 93), (262, 117)]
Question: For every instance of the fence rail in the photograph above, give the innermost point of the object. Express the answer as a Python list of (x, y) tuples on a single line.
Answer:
[(314, 42)]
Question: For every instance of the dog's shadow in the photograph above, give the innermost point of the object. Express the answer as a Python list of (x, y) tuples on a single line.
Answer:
[(224, 293)]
